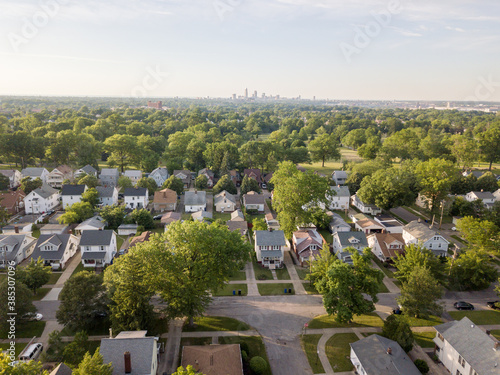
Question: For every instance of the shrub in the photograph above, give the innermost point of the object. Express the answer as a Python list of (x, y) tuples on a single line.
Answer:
[(422, 366), (258, 365), (244, 347), (244, 356)]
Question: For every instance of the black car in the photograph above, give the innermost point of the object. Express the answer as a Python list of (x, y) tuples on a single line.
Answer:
[(493, 305), (397, 311), (461, 305)]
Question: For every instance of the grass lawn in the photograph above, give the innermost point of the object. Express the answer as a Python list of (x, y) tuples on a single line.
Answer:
[(3, 276), (309, 344), (187, 341), (328, 321), (40, 293), (496, 333), (78, 269), (36, 232), (326, 235), (161, 326), (215, 323), (310, 289), (54, 277), (338, 350), (385, 270), (342, 213), (185, 216), (382, 288), (274, 289), (330, 166), (462, 241), (424, 339), (26, 330), (119, 242), (399, 218), (19, 348), (228, 290), (238, 276), (224, 217), (261, 273), (478, 317), (421, 322), (101, 328), (255, 347), (282, 273), (302, 272)]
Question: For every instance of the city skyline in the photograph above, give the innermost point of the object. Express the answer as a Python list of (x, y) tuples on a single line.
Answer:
[(363, 50)]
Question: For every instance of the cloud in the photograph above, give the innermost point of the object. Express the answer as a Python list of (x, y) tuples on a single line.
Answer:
[(405, 32), (457, 29)]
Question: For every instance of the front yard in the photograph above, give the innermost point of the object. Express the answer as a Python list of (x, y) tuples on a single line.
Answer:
[(27, 330), (478, 317), (328, 321), (264, 273), (338, 350), (309, 344), (275, 289), (215, 323), (228, 289)]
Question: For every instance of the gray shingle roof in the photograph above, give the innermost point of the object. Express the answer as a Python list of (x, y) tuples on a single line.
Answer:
[(224, 195), (32, 172), (93, 255), (96, 237), (338, 221), (105, 191), (341, 191), (72, 190), (267, 238), (253, 198), (45, 191), (93, 222), (135, 192), (56, 239), (62, 369), (200, 215), (88, 169), (14, 240), (483, 195), (141, 354), (344, 238), (339, 174), (420, 231), (192, 198), (109, 172), (372, 354)]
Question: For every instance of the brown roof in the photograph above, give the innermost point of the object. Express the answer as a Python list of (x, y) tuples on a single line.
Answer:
[(170, 217), (64, 169), (312, 237), (143, 237), (165, 196), (386, 239), (213, 359), (242, 226), (253, 173), (9, 199), (368, 223), (253, 198), (270, 216)]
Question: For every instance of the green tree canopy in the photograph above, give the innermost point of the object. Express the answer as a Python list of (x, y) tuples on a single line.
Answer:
[(4, 182), (113, 215), (34, 275), (418, 256), (225, 183), (398, 329), (201, 182), (435, 177), (91, 196), (122, 149), (249, 184), (23, 368), (93, 365), (472, 270), (76, 213), (186, 371), (124, 182), (89, 180), (148, 183), (23, 305), (323, 148), (259, 224), (175, 184), (28, 185), (143, 218), (481, 234)]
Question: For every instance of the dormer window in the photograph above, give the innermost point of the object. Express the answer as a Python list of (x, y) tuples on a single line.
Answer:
[(313, 247)]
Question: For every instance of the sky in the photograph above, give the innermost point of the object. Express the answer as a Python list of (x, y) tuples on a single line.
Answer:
[(336, 49)]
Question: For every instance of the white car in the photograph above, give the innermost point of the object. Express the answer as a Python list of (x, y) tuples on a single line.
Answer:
[(33, 316)]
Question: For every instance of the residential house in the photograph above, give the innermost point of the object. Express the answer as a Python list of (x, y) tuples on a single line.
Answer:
[(269, 247), (13, 201), (160, 175), (358, 217), (496, 194), (57, 176), (339, 177), (340, 198), (201, 215), (224, 202), (390, 224), (369, 226), (71, 194), (237, 216), (254, 201), (136, 198), (487, 197), (14, 177), (61, 369), (34, 173), (195, 201), (338, 224), (464, 348), (266, 180), (108, 195), (272, 222), (306, 244), (185, 176), (94, 223), (109, 177), (386, 246), (343, 240), (55, 249), (418, 233), (133, 175), (235, 177), (364, 207), (41, 200), (131, 352), (15, 248), (88, 169), (18, 228), (209, 175), (378, 355), (254, 174), (127, 229), (213, 359), (98, 247), (169, 218), (475, 173), (54, 229), (239, 225), (165, 200)]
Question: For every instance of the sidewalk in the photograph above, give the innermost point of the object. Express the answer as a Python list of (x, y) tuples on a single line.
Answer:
[(387, 282), (294, 276), (250, 281), (70, 267)]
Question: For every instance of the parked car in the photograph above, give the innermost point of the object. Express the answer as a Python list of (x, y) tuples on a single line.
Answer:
[(33, 316), (157, 217), (461, 305), (493, 305), (397, 311)]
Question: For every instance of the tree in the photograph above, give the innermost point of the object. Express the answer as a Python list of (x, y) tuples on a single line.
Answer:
[(4, 182), (259, 224), (225, 183), (201, 182), (488, 144), (4, 215), (191, 268), (23, 305), (435, 177), (324, 147), (124, 182), (420, 293), (148, 183), (422, 366), (481, 234), (249, 184), (91, 196), (355, 138), (34, 275), (418, 256), (487, 182), (398, 329), (121, 148), (175, 184), (370, 149), (93, 365), (320, 218), (294, 190), (74, 352), (8, 367), (89, 180), (54, 352), (113, 215), (186, 371), (76, 213), (143, 218), (472, 270), (258, 365), (81, 296), (28, 185), (387, 189), (464, 149)]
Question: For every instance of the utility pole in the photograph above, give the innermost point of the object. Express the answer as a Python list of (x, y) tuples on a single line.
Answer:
[(442, 211)]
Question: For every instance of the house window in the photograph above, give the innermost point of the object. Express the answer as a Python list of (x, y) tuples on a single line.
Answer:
[(458, 373), (276, 247), (440, 336), (461, 361), (102, 248), (313, 247), (439, 245)]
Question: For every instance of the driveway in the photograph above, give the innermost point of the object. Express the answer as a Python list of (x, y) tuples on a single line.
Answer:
[(404, 214)]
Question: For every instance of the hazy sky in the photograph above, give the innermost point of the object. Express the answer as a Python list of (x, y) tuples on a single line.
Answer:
[(337, 49)]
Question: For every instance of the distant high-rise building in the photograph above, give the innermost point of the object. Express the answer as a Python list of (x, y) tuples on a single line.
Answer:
[(246, 93), (255, 94), (157, 105), (314, 97), (234, 96), (263, 95)]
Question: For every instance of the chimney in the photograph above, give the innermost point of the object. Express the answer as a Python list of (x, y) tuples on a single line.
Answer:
[(16, 229), (389, 350), (128, 363)]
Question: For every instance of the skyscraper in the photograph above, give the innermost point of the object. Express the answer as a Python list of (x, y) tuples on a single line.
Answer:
[(246, 93)]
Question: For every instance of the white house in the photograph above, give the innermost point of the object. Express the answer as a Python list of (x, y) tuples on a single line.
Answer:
[(254, 201), (127, 229), (307, 243), (195, 201), (364, 207), (108, 195), (419, 234), (71, 194), (57, 176), (15, 248), (272, 222), (136, 198), (487, 197), (339, 177), (343, 240), (496, 194), (386, 246), (224, 202), (209, 175), (98, 247), (390, 224), (94, 223), (41, 200), (160, 175), (338, 224), (13, 175), (201, 215), (269, 248), (109, 177), (55, 249), (341, 198), (88, 169), (34, 173), (134, 175), (464, 348)]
